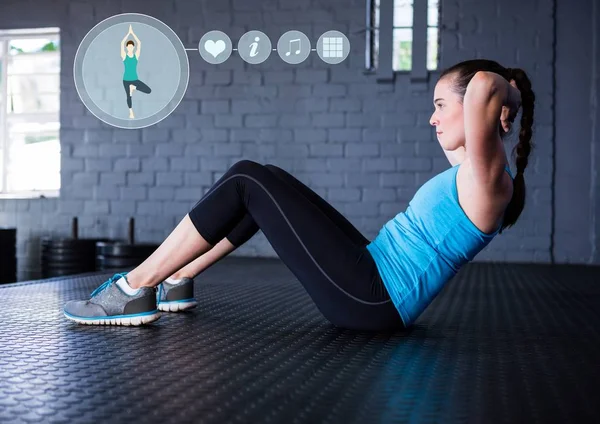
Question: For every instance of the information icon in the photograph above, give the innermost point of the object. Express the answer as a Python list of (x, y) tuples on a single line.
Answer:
[(293, 47), (215, 47), (131, 71), (333, 47), (254, 47)]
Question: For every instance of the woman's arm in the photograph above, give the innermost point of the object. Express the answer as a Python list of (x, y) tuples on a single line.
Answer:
[(487, 95), (123, 53), (139, 44)]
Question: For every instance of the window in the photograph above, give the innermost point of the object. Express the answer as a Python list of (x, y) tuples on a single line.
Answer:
[(403, 31), (433, 34), (409, 23), (29, 112)]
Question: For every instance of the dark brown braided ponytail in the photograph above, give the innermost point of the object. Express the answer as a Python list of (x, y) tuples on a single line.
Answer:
[(523, 147)]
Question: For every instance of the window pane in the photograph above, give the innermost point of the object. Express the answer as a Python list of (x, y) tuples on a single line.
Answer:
[(403, 13), (432, 48), (25, 46), (28, 84), (32, 148), (21, 125), (33, 80), (35, 166), (31, 85), (33, 156), (33, 103), (376, 49), (433, 12), (1, 168), (33, 63), (402, 60), (1, 95), (2, 153), (375, 35), (32, 93)]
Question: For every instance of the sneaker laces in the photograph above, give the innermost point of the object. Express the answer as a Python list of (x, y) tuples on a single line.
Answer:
[(108, 282)]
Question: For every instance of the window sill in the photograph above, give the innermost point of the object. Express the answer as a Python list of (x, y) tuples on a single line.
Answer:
[(390, 77), (383, 77), (41, 194)]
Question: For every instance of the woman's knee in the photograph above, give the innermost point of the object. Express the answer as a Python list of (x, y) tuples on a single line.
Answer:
[(246, 165)]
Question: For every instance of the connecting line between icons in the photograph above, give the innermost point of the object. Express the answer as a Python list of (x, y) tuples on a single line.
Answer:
[(235, 50)]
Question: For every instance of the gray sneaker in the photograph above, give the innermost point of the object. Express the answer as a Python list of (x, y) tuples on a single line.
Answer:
[(176, 297), (110, 305)]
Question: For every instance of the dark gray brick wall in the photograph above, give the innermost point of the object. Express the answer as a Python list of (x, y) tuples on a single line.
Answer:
[(577, 187), (364, 146)]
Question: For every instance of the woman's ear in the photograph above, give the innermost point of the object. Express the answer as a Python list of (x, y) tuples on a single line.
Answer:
[(506, 119)]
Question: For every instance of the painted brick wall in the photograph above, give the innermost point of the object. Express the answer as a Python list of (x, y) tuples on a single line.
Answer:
[(364, 146)]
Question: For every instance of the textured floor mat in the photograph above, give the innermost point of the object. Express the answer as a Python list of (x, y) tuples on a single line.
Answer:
[(501, 343)]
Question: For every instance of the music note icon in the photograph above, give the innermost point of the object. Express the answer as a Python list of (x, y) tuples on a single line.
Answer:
[(290, 47)]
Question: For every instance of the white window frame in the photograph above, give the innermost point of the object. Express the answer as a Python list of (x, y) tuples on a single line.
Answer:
[(5, 37)]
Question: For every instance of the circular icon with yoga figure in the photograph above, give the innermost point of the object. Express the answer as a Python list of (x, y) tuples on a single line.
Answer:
[(131, 87), (131, 82)]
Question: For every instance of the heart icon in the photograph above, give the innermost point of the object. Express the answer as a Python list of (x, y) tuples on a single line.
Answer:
[(214, 48)]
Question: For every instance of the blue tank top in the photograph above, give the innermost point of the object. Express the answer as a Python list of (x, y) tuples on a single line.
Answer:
[(422, 248), (130, 73)]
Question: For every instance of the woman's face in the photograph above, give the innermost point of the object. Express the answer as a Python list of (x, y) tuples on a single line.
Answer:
[(448, 118), (130, 48)]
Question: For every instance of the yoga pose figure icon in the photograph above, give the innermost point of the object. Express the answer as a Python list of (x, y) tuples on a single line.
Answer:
[(131, 81)]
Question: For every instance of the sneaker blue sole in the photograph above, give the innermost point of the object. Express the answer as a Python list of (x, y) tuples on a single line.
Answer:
[(133, 319)]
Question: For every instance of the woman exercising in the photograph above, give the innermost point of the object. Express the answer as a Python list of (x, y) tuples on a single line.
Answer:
[(384, 284), (130, 76)]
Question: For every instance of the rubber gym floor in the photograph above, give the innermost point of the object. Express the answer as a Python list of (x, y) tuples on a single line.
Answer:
[(502, 343)]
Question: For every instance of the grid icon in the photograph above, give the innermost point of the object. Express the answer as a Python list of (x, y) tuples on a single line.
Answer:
[(333, 47)]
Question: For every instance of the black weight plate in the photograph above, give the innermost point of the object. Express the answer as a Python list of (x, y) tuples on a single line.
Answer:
[(72, 252), (70, 242), (70, 265), (126, 250), (66, 257), (117, 262), (73, 244)]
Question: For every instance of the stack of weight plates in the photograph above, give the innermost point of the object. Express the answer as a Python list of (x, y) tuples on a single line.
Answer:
[(68, 256), (8, 255), (121, 255)]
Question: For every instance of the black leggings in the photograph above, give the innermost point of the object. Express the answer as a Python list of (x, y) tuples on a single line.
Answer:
[(318, 244), (140, 86)]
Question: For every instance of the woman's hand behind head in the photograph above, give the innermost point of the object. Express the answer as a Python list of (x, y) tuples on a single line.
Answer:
[(511, 107)]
